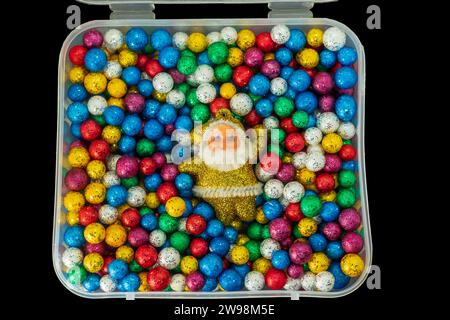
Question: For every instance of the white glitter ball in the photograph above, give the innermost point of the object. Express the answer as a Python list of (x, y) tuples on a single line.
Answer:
[(315, 148), (229, 35), (206, 93), (278, 86), (315, 161), (273, 188), (182, 224), (176, 98), (262, 175), (110, 179), (293, 284), (157, 238), (169, 258), (178, 282), (254, 281), (190, 79), (108, 214), (72, 256), (113, 40), (112, 70), (313, 136), (111, 161), (293, 191), (241, 104), (136, 196), (204, 74), (325, 281), (213, 37), (334, 39), (107, 284), (268, 246), (280, 34), (163, 82), (96, 105), (298, 160), (179, 40), (271, 122), (327, 122), (308, 281), (346, 130)]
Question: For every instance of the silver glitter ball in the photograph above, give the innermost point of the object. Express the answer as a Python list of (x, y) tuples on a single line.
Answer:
[(176, 98), (268, 246), (112, 70), (293, 191), (179, 40), (163, 82), (111, 161), (110, 179), (273, 188), (313, 136), (327, 122), (315, 161), (157, 238), (298, 160), (241, 104), (254, 281), (178, 282), (324, 281), (96, 105), (113, 40), (71, 257), (206, 93), (308, 281), (136, 196), (229, 35), (107, 284), (280, 34), (108, 214), (293, 284), (334, 39)]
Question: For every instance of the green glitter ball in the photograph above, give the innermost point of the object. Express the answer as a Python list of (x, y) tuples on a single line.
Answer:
[(265, 234), (99, 119), (191, 97), (148, 49), (180, 241), (187, 65), (344, 142), (187, 53), (283, 107), (129, 182), (76, 275), (300, 119), (266, 197), (346, 198), (277, 134), (176, 270), (321, 68), (296, 232), (254, 98), (135, 267), (311, 206), (200, 113), (218, 52), (145, 147), (183, 87), (64, 171), (305, 267), (254, 231), (145, 210), (237, 117), (223, 72), (167, 223), (346, 178), (253, 249)]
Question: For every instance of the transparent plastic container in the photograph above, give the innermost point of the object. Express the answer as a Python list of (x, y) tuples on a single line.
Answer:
[(206, 25)]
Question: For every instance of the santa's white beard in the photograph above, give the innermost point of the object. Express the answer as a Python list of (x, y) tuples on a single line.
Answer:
[(224, 159)]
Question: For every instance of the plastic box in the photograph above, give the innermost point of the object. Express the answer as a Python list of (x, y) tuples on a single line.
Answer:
[(284, 8)]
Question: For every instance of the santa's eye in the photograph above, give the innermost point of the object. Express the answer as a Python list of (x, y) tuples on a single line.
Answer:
[(217, 138)]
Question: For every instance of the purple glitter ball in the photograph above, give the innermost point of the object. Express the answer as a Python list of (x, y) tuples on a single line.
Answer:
[(286, 172), (270, 69), (127, 167), (279, 229), (177, 76), (159, 158), (169, 172), (349, 219), (137, 237), (76, 179), (352, 242), (134, 102), (348, 91), (169, 128), (300, 252), (326, 103), (286, 243), (332, 163), (195, 281), (253, 57), (323, 83), (93, 39), (295, 271), (332, 231), (99, 248)]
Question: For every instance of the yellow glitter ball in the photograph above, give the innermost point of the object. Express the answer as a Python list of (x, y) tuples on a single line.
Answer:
[(235, 57), (95, 192), (269, 56), (308, 58), (113, 57), (314, 37), (78, 157), (77, 74), (96, 169), (319, 262), (237, 224), (188, 264), (287, 158), (332, 143), (133, 89), (93, 262), (307, 227), (239, 255), (175, 207), (159, 96), (127, 58), (311, 187), (306, 177), (245, 39), (125, 253), (118, 102), (73, 218), (94, 233), (144, 284), (111, 134), (197, 42), (116, 235), (73, 201), (242, 239), (352, 265), (117, 88), (262, 265), (151, 200), (328, 196), (95, 83), (108, 54), (260, 217), (114, 147), (227, 90), (122, 208)]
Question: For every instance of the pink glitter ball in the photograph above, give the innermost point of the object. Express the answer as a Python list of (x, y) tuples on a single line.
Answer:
[(346, 91), (159, 158), (169, 128), (332, 231), (127, 167), (99, 248), (323, 83), (169, 172), (349, 219), (92, 39), (295, 271), (177, 76), (279, 229), (270, 69), (352, 242), (286, 172), (332, 163), (253, 57), (286, 243), (300, 252), (195, 281), (76, 179), (134, 102), (326, 103), (77, 143), (137, 237)]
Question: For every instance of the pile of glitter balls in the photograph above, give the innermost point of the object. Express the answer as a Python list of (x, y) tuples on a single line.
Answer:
[(132, 222)]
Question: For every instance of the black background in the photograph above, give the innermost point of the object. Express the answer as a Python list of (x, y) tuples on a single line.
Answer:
[(40, 61)]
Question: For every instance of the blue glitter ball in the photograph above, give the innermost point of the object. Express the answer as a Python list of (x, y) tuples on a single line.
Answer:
[(149, 222), (136, 39), (340, 279), (151, 109), (264, 107), (184, 122), (75, 130), (317, 242), (129, 283), (167, 114), (230, 280), (306, 101), (188, 204), (205, 236), (164, 144), (329, 211), (243, 269), (95, 60), (259, 200), (74, 237), (286, 72), (203, 58), (345, 107), (327, 58), (153, 130), (159, 39), (117, 269), (215, 228), (77, 112), (334, 250), (219, 245), (211, 265), (347, 56), (92, 282), (131, 76), (272, 209), (116, 195), (210, 285), (77, 92), (126, 144), (145, 87), (310, 193), (297, 40), (349, 165), (271, 97), (311, 121), (299, 80), (345, 78), (183, 181), (205, 210), (280, 259), (152, 182), (114, 115), (283, 56), (230, 234), (290, 93), (168, 57), (259, 85), (184, 111), (131, 125)]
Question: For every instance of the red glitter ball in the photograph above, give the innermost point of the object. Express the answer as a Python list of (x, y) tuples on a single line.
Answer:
[(166, 191), (76, 55), (99, 150), (242, 75), (252, 118), (347, 152), (146, 256), (325, 182), (198, 247), (90, 130), (310, 72), (142, 61), (152, 68), (158, 279), (106, 262), (293, 212), (217, 104), (148, 166), (265, 43), (130, 218), (294, 142), (87, 215), (195, 224), (287, 125), (275, 279), (159, 158), (76, 179)]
